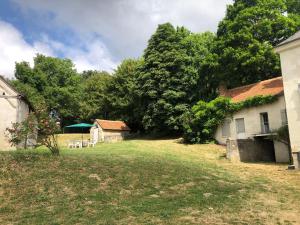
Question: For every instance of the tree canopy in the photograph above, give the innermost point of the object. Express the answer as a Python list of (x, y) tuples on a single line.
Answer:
[(55, 81), (246, 37), (93, 102), (169, 77), (122, 94)]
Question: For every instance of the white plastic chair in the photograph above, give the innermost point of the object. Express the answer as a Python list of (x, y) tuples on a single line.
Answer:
[(91, 143), (71, 144), (78, 144)]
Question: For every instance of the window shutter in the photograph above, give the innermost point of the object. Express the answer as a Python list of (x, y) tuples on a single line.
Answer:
[(240, 125), (226, 128)]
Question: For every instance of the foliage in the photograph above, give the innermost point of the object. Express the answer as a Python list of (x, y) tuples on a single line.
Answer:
[(198, 48), (169, 78), (282, 135), (55, 80), (202, 121), (32, 95), (39, 125), (246, 37), (293, 9), (122, 94), (94, 102), (47, 128), (255, 101), (19, 133)]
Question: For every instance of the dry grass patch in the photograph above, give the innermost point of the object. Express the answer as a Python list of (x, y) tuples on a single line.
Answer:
[(144, 182)]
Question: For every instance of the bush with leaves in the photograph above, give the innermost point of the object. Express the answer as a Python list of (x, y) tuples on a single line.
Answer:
[(20, 133), (202, 121), (47, 128), (39, 124)]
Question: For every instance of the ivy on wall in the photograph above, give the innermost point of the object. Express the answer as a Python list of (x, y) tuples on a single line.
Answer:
[(201, 123)]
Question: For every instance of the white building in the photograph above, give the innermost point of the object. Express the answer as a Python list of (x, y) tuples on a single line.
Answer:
[(13, 108), (289, 51), (247, 132)]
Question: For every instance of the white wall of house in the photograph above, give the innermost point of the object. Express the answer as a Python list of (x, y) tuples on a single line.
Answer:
[(252, 121), (12, 109), (290, 65)]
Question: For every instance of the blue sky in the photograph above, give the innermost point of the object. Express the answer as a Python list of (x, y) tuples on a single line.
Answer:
[(95, 34)]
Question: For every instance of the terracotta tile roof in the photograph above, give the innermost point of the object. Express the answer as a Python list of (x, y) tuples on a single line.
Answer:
[(267, 87), (113, 125)]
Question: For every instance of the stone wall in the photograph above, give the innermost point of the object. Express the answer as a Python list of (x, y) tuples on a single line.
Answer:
[(282, 152), (251, 150), (232, 150)]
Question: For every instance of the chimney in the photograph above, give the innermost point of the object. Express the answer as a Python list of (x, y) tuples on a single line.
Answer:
[(222, 89)]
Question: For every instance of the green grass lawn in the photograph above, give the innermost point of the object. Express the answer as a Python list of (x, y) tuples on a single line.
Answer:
[(144, 182)]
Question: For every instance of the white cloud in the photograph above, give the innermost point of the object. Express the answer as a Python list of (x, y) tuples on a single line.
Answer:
[(15, 49), (107, 30), (95, 55), (126, 25)]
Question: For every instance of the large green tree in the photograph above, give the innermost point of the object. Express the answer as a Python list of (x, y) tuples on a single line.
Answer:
[(169, 77), (293, 6), (246, 37), (293, 10), (123, 96), (94, 102), (198, 48), (55, 81)]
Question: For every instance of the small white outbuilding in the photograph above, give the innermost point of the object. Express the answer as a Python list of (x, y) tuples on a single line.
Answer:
[(109, 131)]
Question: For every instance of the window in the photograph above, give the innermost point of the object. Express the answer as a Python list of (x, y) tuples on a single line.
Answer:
[(284, 120), (226, 128), (240, 125), (264, 121)]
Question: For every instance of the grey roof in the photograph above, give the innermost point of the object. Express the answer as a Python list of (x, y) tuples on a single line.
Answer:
[(291, 39)]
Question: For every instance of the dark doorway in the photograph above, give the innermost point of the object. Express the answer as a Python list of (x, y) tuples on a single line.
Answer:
[(259, 149), (267, 150)]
